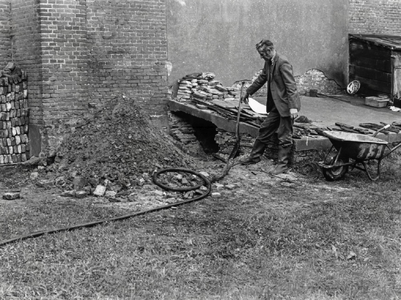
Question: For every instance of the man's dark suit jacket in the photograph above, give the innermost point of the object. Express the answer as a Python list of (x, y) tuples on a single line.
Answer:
[(282, 86)]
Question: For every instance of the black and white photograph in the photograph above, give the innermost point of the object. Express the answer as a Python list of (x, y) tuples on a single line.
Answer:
[(200, 149)]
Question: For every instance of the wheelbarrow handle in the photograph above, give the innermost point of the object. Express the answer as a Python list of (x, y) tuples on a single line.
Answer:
[(381, 129)]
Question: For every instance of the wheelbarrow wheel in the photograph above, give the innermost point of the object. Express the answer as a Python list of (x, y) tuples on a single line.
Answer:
[(336, 173)]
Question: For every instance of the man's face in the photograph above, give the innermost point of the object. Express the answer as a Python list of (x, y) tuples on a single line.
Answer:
[(266, 53)]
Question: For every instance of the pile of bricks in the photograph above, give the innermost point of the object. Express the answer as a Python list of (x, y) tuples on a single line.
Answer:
[(14, 119), (182, 130), (204, 87), (227, 140), (185, 133)]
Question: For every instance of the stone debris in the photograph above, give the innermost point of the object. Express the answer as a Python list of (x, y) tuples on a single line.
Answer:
[(11, 195), (45, 183), (230, 186), (218, 186), (110, 194), (289, 177), (99, 191), (206, 174), (81, 194), (351, 255), (114, 152), (316, 80), (204, 87), (68, 193), (34, 176)]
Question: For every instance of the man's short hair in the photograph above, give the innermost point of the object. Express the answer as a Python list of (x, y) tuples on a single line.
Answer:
[(266, 43)]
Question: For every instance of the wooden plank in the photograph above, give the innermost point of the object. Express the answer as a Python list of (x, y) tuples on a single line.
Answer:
[(370, 73)]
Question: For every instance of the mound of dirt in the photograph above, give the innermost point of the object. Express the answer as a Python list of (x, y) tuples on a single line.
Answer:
[(118, 147)]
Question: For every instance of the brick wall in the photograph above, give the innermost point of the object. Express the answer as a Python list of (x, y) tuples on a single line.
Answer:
[(64, 65), (127, 42), (5, 40), (81, 51), (26, 51), (25, 37), (375, 17)]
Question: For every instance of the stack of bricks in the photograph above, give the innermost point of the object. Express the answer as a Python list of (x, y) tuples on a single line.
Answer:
[(203, 87), (14, 119), (226, 141)]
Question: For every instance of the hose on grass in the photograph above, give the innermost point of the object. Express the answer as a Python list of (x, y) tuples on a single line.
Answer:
[(155, 177)]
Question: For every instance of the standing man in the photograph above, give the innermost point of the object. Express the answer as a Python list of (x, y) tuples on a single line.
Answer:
[(282, 105)]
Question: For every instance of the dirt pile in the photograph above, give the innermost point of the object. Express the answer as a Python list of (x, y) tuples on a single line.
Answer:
[(117, 148)]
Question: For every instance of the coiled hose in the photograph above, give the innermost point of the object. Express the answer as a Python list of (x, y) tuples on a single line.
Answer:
[(206, 182)]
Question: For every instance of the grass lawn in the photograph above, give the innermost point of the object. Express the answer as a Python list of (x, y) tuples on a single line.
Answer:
[(308, 239)]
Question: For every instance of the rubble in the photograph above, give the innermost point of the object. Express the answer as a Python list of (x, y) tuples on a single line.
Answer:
[(117, 149), (100, 190), (316, 80), (202, 86), (11, 196)]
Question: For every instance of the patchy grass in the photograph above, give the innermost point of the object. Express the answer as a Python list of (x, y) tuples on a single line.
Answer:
[(308, 240)]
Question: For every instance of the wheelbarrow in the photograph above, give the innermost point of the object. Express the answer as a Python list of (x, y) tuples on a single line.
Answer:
[(353, 150)]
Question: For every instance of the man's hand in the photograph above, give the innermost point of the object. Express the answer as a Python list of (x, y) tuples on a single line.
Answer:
[(294, 113), (245, 98)]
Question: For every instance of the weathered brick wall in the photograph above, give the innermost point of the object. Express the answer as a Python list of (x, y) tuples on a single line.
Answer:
[(64, 65), (128, 52), (5, 39), (375, 17), (26, 49), (81, 51)]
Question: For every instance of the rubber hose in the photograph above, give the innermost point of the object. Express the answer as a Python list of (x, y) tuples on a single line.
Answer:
[(143, 212)]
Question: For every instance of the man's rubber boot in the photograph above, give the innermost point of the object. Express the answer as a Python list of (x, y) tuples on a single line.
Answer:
[(281, 167), (257, 151)]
